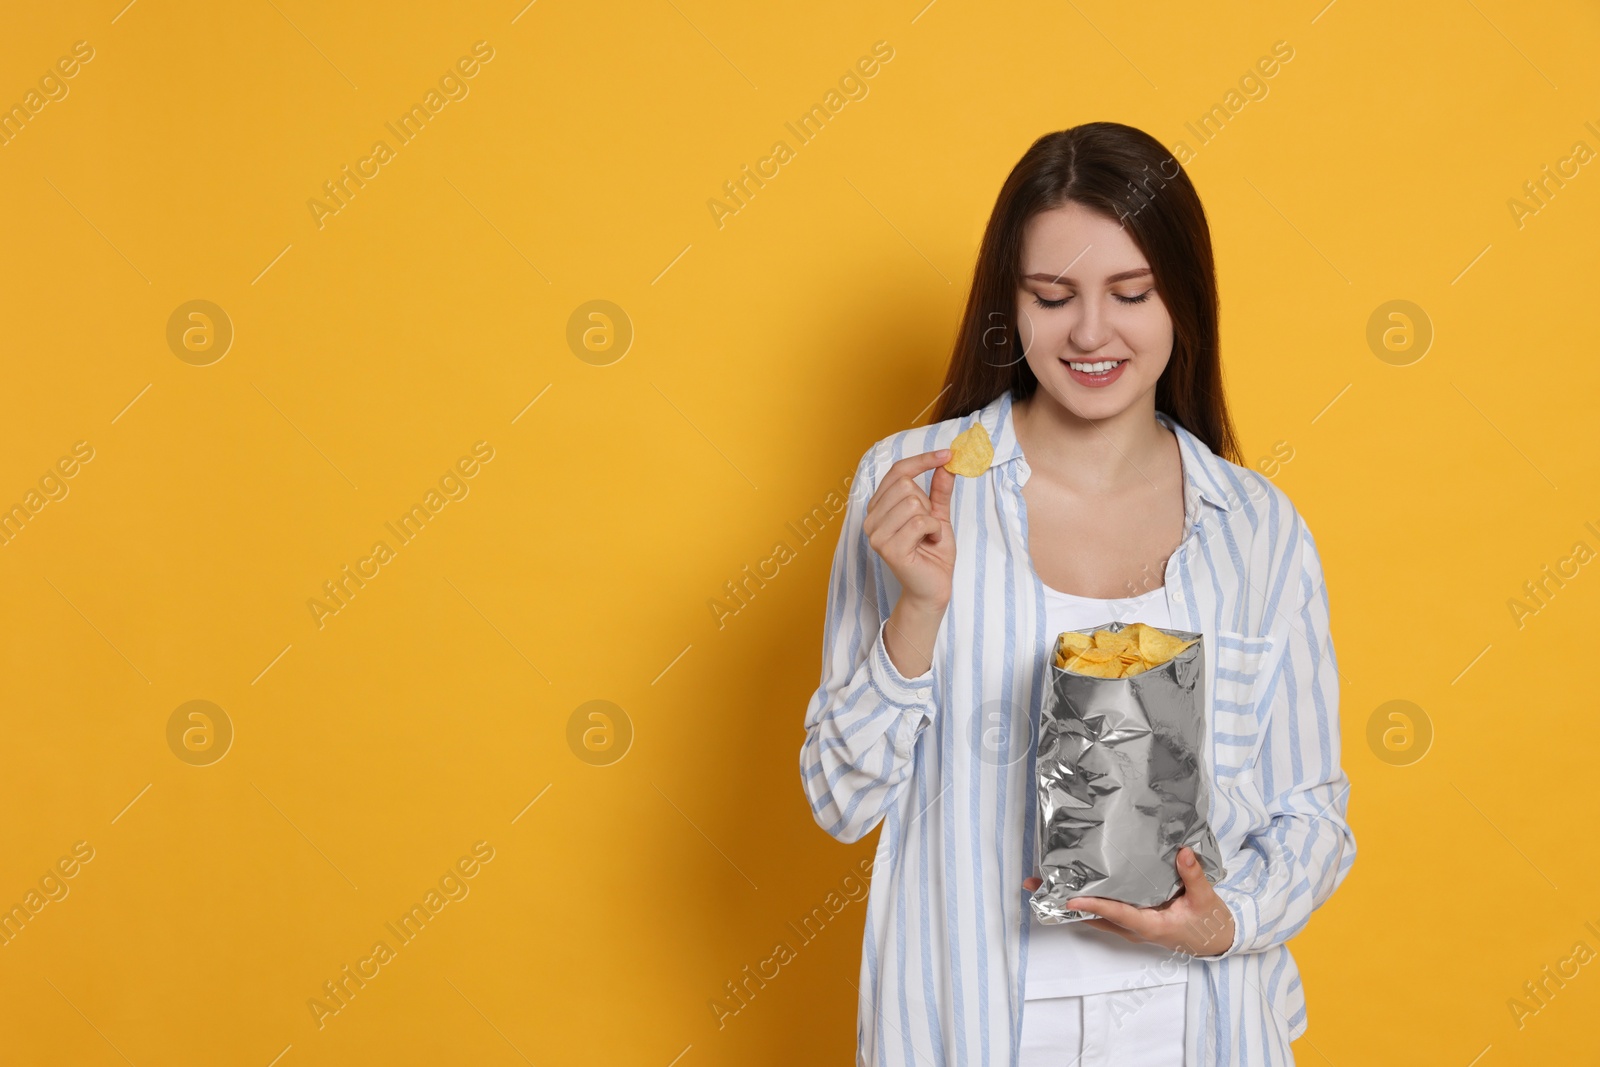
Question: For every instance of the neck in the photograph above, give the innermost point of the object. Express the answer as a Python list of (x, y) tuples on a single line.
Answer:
[(1091, 455)]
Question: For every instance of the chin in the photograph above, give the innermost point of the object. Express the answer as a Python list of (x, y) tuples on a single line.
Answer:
[(1096, 404)]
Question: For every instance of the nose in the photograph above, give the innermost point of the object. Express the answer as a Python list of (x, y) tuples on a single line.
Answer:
[(1089, 332)]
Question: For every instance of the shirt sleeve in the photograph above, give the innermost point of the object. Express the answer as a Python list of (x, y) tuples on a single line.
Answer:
[(1284, 872), (864, 718)]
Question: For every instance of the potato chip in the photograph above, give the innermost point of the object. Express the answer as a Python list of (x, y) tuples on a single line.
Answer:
[(971, 452), (1114, 642), (1111, 668), (1156, 647), (1075, 642)]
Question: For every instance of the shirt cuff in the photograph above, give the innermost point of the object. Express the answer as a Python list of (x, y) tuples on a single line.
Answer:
[(915, 695)]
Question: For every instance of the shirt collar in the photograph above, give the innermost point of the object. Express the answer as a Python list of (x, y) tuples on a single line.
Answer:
[(1204, 478)]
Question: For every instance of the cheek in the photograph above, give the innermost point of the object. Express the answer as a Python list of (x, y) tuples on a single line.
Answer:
[(1042, 326), (1151, 336)]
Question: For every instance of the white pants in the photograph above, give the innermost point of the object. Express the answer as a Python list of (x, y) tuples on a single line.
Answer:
[(1127, 1028)]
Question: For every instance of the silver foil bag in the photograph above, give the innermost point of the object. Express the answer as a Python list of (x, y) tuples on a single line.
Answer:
[(1124, 781)]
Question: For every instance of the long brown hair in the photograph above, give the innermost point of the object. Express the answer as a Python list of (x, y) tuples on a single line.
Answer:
[(1126, 175)]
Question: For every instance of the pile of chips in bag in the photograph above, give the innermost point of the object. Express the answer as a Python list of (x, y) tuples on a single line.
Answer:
[(1117, 653)]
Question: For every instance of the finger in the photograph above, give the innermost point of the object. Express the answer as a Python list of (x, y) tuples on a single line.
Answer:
[(1124, 915), (909, 468), (896, 514), (939, 493), (903, 542), (1191, 874), (1030, 884), (888, 498)]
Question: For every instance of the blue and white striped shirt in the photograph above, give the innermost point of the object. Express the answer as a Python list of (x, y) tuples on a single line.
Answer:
[(945, 952)]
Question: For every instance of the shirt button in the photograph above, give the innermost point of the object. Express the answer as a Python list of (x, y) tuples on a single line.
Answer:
[(1177, 597), (924, 691)]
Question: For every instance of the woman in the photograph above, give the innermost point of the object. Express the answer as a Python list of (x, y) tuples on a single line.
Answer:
[(1089, 353)]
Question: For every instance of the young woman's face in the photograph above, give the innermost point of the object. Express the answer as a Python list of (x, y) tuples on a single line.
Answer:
[(1094, 329)]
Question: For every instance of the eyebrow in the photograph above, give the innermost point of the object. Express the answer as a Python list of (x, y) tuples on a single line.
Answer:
[(1056, 279)]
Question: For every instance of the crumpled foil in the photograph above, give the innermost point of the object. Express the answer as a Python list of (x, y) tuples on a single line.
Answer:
[(1124, 782)]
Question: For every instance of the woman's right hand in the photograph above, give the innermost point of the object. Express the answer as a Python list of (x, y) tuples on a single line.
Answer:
[(910, 530)]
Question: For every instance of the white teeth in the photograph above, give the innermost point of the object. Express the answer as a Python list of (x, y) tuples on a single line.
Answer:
[(1094, 368)]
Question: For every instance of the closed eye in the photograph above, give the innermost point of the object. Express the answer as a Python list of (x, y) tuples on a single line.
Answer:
[(1141, 298)]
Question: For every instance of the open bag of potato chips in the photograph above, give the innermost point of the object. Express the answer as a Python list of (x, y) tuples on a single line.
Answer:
[(1123, 771)]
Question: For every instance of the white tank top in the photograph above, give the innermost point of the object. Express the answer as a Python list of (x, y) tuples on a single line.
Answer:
[(1071, 959)]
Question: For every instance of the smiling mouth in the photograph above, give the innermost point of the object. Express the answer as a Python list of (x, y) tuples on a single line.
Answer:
[(1097, 367)]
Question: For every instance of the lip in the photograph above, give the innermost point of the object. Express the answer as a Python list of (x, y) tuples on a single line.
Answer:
[(1096, 381)]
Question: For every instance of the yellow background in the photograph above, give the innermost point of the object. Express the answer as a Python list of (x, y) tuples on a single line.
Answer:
[(370, 354)]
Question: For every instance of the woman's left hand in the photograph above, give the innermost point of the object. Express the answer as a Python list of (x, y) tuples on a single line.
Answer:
[(1195, 921)]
